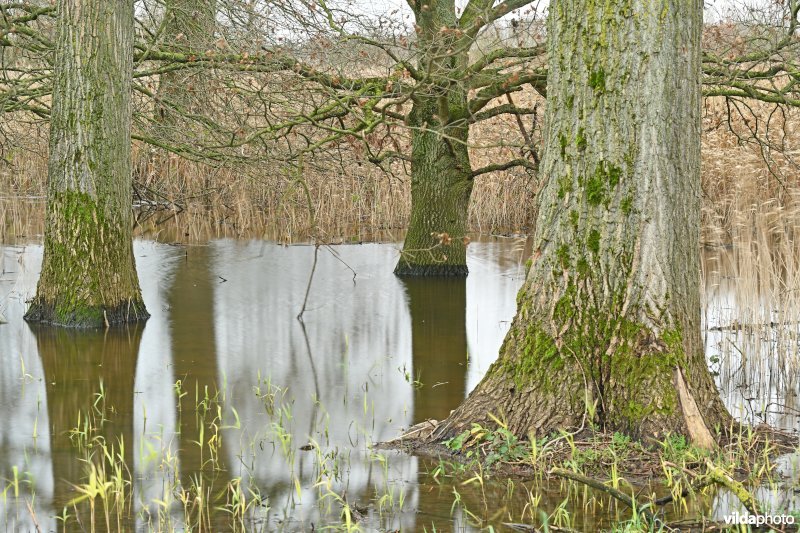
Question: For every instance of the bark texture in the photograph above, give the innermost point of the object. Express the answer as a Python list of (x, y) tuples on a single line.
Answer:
[(88, 275), (441, 173), (608, 321)]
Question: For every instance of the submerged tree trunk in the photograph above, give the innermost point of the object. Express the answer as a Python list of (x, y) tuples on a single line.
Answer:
[(88, 275), (607, 330), (441, 174)]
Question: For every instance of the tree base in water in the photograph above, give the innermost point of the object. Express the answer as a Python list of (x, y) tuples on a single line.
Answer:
[(405, 268), (86, 316)]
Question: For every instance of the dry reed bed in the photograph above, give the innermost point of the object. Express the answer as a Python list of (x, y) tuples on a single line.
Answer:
[(349, 195)]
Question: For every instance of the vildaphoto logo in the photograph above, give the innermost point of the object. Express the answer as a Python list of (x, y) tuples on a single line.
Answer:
[(759, 520)]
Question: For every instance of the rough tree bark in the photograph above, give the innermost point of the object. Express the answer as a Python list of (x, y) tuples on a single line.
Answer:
[(441, 174), (88, 275), (608, 319)]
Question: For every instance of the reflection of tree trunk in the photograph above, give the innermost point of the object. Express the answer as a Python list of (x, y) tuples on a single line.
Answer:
[(439, 344), (194, 357), (84, 371)]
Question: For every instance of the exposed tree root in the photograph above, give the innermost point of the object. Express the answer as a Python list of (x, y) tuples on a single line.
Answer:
[(721, 477), (416, 433), (698, 430), (611, 491)]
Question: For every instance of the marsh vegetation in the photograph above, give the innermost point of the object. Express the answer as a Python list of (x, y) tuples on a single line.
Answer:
[(619, 182), (226, 412)]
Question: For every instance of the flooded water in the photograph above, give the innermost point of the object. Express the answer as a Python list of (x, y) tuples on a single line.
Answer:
[(225, 397)]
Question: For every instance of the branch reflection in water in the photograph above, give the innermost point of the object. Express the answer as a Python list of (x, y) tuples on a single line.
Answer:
[(224, 390), (224, 384)]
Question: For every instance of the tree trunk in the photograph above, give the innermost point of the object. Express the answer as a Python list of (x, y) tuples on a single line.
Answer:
[(183, 100), (441, 174), (607, 330), (188, 28), (88, 273)]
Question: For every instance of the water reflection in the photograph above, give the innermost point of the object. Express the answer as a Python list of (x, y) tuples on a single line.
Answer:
[(195, 367), (498, 268), (25, 452), (155, 417), (337, 379), (89, 379), (225, 383), (439, 345), (752, 338)]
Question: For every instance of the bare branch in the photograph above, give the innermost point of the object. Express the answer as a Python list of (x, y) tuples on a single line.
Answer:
[(497, 167)]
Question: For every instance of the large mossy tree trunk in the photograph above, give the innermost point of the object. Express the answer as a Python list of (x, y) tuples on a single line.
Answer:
[(607, 330), (441, 173), (88, 275)]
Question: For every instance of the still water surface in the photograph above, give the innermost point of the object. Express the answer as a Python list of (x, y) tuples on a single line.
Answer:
[(373, 355)]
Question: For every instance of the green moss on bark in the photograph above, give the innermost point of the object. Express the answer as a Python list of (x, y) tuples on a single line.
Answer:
[(597, 80), (580, 139), (593, 241), (595, 189), (626, 205), (630, 378), (88, 278)]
